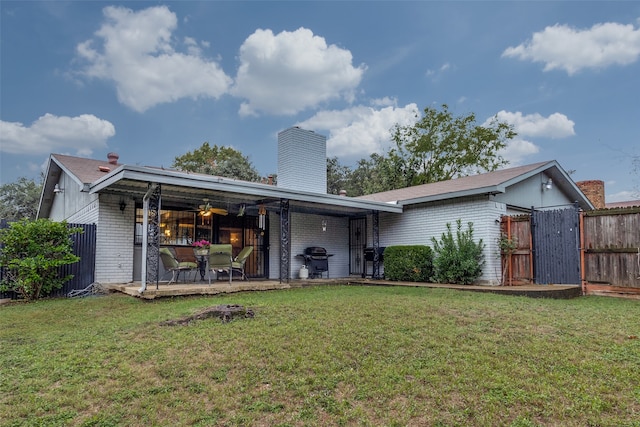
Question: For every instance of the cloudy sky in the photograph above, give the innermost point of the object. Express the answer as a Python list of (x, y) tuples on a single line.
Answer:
[(153, 80)]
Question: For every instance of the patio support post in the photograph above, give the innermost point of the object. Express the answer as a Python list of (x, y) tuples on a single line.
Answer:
[(376, 244), (285, 242), (150, 238)]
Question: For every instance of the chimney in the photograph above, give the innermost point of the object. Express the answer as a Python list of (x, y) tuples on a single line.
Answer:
[(302, 160), (594, 190), (113, 158), (343, 193)]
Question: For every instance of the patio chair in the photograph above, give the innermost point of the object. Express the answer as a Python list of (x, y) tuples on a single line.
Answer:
[(171, 264), (220, 258), (239, 261), (185, 254)]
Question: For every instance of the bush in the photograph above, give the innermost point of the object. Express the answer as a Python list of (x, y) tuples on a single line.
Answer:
[(408, 263), (458, 260), (31, 253)]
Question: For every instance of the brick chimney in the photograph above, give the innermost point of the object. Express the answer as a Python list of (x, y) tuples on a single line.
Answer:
[(594, 190), (113, 158)]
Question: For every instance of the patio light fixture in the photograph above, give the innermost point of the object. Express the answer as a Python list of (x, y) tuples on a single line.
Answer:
[(57, 189), (324, 225)]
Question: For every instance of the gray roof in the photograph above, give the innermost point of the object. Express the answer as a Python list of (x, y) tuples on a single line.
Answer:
[(495, 182)]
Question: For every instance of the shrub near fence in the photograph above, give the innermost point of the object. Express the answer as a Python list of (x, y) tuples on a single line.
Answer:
[(408, 263)]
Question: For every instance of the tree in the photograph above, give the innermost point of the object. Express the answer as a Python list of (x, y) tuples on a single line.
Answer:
[(32, 252), (373, 175), (219, 161), (338, 176), (440, 146), (20, 199)]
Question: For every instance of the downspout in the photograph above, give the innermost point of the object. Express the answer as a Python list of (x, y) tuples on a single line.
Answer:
[(145, 237), (583, 273)]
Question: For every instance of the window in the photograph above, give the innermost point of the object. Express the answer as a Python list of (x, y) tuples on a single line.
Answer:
[(176, 227)]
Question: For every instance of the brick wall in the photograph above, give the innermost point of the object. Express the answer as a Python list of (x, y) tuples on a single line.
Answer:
[(594, 190), (114, 251), (418, 224), (306, 230)]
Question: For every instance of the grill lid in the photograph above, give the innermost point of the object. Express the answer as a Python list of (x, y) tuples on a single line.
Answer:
[(315, 251)]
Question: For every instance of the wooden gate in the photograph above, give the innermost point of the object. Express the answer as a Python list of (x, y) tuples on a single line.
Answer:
[(556, 246), (542, 247)]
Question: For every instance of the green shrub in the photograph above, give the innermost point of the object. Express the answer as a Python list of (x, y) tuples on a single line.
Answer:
[(460, 259), (408, 263), (31, 253)]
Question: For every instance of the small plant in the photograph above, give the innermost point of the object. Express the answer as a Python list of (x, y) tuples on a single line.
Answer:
[(201, 244), (32, 252), (458, 259)]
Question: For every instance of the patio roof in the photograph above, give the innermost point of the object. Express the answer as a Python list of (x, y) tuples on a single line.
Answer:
[(185, 189)]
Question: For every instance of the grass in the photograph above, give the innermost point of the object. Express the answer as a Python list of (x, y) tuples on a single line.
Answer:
[(323, 356)]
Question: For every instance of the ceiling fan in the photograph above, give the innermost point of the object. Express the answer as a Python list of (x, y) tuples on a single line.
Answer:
[(206, 209)]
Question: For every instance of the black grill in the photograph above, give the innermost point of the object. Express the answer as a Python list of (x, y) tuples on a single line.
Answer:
[(369, 255), (317, 261)]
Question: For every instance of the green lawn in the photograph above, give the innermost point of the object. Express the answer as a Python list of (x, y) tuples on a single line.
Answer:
[(323, 356)]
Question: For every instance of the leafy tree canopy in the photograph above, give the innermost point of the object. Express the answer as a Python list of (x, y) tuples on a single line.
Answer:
[(438, 147), (219, 161), (19, 199)]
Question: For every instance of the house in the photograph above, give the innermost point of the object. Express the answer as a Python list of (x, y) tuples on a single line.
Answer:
[(280, 222), (480, 199)]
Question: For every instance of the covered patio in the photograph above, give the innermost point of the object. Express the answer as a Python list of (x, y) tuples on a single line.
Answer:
[(277, 222)]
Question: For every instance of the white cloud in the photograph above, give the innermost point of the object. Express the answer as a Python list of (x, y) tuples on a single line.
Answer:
[(51, 133), (554, 126), (136, 52), (535, 125), (385, 102), (357, 132), (289, 72), (435, 74), (517, 150), (570, 49)]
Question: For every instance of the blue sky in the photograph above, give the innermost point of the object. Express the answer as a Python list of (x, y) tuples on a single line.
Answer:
[(153, 80)]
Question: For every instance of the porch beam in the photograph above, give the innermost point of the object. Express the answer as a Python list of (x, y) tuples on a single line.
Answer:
[(285, 241)]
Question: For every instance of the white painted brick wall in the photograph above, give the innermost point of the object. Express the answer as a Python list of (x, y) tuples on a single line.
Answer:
[(306, 230), (417, 225), (114, 250)]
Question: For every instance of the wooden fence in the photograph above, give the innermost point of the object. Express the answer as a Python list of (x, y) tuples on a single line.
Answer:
[(609, 250)]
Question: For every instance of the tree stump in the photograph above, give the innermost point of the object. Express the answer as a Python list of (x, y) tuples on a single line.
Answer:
[(224, 312)]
